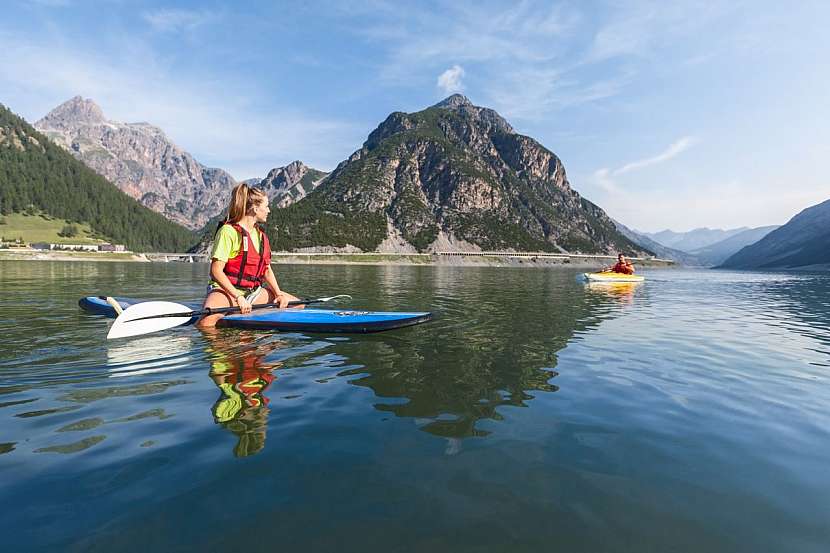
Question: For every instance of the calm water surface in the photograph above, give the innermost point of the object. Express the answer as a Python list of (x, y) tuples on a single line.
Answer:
[(689, 413)]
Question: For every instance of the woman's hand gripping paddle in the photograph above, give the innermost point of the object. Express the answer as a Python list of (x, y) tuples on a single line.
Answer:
[(153, 316)]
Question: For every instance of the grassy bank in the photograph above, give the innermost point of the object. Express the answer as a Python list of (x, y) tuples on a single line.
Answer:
[(40, 228)]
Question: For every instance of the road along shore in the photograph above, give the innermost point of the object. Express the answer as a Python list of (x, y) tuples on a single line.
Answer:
[(485, 259)]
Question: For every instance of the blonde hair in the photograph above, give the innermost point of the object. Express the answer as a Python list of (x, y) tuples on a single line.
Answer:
[(243, 201)]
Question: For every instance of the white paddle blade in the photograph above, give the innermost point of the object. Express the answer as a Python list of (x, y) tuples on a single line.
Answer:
[(330, 298), (127, 325)]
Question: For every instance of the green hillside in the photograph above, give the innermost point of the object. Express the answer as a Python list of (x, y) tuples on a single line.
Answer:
[(36, 175), (43, 228)]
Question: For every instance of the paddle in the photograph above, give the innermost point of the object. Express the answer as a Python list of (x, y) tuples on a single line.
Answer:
[(153, 316)]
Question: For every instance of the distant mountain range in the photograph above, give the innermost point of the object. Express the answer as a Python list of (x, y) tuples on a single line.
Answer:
[(703, 247), (803, 242), (693, 239), (661, 251), (717, 253), (453, 176)]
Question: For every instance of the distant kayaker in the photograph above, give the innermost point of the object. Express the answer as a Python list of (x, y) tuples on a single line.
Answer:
[(623, 266), (240, 267)]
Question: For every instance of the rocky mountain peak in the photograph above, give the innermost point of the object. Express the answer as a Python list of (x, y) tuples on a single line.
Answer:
[(286, 185), (74, 111), (452, 175), (479, 115), (140, 160), (280, 178), (454, 101)]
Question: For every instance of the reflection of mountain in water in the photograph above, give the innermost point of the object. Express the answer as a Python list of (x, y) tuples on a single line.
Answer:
[(494, 343)]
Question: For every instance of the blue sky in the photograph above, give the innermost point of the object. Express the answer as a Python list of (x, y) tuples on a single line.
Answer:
[(666, 114)]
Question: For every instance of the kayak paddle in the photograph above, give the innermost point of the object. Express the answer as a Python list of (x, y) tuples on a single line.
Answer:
[(152, 316)]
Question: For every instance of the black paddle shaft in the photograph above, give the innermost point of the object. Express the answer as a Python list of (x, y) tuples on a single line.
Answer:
[(215, 310)]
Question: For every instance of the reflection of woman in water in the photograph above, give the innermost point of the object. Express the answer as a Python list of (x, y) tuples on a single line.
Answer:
[(240, 371)]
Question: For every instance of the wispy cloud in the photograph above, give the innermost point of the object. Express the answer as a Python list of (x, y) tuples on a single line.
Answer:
[(170, 19), (531, 93), (520, 58), (450, 80), (605, 179), (135, 85), (52, 3), (464, 32), (673, 150), (530, 59)]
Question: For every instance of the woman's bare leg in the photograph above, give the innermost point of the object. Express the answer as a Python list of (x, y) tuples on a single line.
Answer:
[(216, 298)]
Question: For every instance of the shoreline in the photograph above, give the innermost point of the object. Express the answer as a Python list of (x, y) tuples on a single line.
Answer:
[(426, 260), (58, 255)]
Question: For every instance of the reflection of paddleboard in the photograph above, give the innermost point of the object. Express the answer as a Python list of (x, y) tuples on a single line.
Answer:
[(149, 354), (608, 276), (306, 320)]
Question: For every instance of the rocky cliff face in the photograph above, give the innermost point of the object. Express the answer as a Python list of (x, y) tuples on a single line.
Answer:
[(289, 184), (804, 241), (454, 175), (141, 161)]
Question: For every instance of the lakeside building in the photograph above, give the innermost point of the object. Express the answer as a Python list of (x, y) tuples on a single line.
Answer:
[(79, 247)]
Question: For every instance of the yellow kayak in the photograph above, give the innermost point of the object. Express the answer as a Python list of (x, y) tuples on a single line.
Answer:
[(608, 276)]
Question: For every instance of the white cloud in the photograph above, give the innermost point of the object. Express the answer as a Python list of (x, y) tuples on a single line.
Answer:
[(673, 150), (168, 19), (450, 80), (605, 178)]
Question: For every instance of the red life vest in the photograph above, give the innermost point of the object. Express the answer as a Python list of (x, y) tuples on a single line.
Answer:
[(251, 379), (248, 268)]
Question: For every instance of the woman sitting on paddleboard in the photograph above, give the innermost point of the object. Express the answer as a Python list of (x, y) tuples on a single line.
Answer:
[(240, 269), (623, 266)]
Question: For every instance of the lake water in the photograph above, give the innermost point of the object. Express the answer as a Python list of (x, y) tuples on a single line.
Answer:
[(535, 413)]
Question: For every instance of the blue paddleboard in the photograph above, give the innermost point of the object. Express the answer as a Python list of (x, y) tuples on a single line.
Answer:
[(304, 320)]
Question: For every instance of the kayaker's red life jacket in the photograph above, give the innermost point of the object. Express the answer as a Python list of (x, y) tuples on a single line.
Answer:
[(623, 268), (248, 268)]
